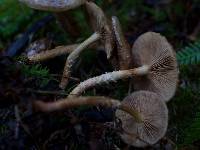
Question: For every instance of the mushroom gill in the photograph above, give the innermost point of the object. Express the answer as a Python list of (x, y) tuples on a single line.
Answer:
[(153, 113)]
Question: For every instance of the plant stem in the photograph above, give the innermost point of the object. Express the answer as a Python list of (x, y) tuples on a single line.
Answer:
[(108, 77), (73, 56)]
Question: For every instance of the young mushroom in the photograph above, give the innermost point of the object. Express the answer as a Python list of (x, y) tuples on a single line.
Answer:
[(102, 32), (156, 68), (53, 5), (123, 48), (153, 114)]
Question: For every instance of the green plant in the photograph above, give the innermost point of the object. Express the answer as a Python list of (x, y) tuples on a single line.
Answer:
[(190, 54), (41, 74), (12, 17)]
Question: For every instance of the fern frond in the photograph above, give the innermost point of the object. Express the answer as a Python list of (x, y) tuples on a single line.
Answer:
[(38, 72), (190, 54)]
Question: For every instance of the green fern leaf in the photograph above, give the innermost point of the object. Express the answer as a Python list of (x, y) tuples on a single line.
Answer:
[(190, 54), (38, 72)]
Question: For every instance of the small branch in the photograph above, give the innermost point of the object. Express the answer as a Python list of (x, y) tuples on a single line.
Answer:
[(48, 54), (80, 101), (108, 77), (73, 56)]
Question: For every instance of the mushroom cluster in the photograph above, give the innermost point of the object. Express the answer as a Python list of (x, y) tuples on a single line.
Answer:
[(151, 63)]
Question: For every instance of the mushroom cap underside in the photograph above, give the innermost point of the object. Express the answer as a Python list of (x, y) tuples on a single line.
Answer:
[(153, 50), (154, 114)]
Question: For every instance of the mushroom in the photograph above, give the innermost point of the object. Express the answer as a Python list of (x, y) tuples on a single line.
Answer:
[(153, 113), (143, 114), (102, 32), (53, 5), (123, 48), (156, 68), (153, 49)]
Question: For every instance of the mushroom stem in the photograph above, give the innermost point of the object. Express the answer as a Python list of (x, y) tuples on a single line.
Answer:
[(80, 101), (109, 77), (132, 112), (73, 56), (60, 50)]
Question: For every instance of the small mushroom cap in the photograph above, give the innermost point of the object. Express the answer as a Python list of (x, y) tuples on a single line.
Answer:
[(123, 48), (53, 5), (153, 50), (154, 114), (101, 24)]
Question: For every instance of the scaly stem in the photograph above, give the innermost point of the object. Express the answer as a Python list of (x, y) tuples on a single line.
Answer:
[(48, 54), (73, 56), (108, 77), (75, 102), (80, 101)]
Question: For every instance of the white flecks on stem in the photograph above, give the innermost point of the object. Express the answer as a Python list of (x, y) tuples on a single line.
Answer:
[(108, 77), (73, 56)]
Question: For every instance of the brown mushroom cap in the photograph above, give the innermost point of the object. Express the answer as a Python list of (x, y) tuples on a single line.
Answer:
[(154, 114), (53, 5), (153, 50), (101, 24), (123, 48)]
